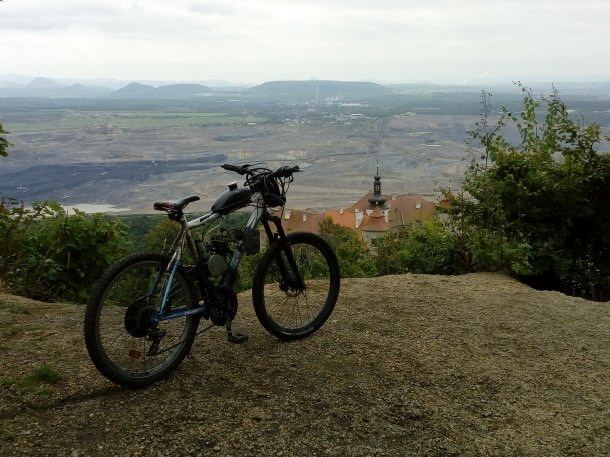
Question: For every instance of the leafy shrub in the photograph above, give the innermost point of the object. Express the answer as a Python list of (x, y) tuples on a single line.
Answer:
[(388, 259), (48, 254), (424, 247), (351, 250), (538, 209)]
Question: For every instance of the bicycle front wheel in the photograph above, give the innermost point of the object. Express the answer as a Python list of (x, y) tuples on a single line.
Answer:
[(123, 341), (293, 299)]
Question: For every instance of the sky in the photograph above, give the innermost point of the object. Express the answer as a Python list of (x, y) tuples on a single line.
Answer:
[(252, 41)]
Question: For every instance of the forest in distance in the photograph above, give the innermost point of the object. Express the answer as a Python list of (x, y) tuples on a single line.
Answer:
[(129, 152)]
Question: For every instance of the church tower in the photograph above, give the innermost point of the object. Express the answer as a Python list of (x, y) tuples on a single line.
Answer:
[(377, 200)]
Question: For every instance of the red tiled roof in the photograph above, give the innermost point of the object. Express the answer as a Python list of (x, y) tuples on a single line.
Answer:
[(402, 210), (347, 219), (296, 220), (405, 209), (375, 222)]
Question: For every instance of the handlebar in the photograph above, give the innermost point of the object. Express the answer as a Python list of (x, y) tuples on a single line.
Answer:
[(282, 172), (272, 184), (241, 169)]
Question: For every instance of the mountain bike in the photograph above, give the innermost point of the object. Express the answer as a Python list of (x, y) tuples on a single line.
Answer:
[(144, 312)]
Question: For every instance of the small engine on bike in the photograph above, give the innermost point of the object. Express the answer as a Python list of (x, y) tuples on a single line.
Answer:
[(215, 254)]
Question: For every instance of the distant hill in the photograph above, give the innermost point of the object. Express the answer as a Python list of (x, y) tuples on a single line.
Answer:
[(320, 90), (44, 83), (133, 90), (45, 87), (138, 90)]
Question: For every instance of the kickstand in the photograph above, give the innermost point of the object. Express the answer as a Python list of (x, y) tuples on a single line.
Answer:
[(236, 338)]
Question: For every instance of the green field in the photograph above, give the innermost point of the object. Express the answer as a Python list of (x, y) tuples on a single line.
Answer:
[(62, 120)]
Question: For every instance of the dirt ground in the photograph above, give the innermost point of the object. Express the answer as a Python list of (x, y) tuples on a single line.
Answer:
[(407, 365)]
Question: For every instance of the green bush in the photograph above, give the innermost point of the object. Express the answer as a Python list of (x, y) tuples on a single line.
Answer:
[(48, 254), (425, 247), (351, 250), (539, 209)]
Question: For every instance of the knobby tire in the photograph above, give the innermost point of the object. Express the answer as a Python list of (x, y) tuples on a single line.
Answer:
[(285, 309), (117, 334)]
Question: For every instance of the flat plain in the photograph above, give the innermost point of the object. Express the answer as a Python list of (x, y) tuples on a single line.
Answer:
[(131, 153)]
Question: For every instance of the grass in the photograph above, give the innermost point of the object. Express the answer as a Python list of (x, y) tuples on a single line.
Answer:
[(44, 374), (6, 432), (39, 382), (13, 308)]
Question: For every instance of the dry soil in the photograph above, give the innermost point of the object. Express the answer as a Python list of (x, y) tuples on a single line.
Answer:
[(407, 365)]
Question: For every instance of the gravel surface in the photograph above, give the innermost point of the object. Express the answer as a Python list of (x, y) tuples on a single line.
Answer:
[(407, 365)]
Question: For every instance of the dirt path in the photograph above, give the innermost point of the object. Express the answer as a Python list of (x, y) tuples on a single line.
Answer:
[(407, 365)]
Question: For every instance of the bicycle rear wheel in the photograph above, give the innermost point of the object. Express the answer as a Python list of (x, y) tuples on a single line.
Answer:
[(285, 306), (123, 343)]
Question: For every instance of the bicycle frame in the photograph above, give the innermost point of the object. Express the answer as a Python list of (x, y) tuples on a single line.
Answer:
[(260, 214)]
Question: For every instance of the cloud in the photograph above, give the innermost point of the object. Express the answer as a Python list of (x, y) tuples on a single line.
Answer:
[(384, 39)]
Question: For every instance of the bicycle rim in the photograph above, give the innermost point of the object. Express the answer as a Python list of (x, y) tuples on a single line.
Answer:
[(284, 308), (124, 347)]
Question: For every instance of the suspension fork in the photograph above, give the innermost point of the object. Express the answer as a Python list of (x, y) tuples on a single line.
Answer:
[(280, 237)]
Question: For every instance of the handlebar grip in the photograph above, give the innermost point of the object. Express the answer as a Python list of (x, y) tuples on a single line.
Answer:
[(237, 169), (283, 172)]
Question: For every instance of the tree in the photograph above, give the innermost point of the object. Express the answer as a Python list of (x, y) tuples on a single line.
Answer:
[(539, 208), (161, 236), (4, 144), (424, 247), (388, 259), (351, 250)]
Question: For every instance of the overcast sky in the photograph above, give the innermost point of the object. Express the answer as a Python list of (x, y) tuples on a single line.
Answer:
[(252, 41)]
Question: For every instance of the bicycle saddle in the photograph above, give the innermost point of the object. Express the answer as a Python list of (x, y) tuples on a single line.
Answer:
[(175, 205)]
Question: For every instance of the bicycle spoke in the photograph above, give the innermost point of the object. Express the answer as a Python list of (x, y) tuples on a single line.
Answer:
[(123, 341), (285, 308)]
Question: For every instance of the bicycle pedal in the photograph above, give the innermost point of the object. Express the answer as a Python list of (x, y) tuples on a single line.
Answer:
[(237, 338)]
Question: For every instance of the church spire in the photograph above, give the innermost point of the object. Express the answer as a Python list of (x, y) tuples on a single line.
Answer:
[(377, 200)]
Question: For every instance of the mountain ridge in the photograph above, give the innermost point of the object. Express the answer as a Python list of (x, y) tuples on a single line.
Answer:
[(299, 90)]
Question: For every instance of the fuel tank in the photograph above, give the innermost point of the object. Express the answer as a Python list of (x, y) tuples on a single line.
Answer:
[(231, 200)]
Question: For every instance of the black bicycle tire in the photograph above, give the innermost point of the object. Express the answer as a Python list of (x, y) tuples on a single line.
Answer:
[(91, 324), (258, 288)]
